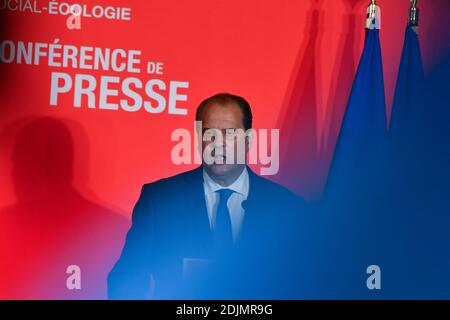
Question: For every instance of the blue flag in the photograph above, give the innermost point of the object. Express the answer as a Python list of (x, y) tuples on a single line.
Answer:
[(352, 216), (362, 136), (405, 110), (419, 175), (407, 129)]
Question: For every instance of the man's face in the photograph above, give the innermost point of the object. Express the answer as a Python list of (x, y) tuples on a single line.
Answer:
[(226, 118)]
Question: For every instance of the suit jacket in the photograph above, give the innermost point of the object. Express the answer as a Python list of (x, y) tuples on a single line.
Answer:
[(170, 223)]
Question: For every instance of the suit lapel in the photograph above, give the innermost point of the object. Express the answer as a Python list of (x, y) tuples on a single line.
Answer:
[(199, 230), (252, 207)]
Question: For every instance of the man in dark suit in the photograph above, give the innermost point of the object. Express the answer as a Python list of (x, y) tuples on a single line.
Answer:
[(218, 231)]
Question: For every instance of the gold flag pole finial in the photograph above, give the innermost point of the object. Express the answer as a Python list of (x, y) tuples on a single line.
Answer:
[(373, 20)]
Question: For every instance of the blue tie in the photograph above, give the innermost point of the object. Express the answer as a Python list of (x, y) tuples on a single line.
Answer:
[(223, 236)]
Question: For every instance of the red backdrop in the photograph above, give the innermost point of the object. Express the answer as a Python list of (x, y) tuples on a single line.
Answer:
[(293, 60)]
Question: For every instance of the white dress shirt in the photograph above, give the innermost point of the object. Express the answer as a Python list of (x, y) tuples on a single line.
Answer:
[(240, 187)]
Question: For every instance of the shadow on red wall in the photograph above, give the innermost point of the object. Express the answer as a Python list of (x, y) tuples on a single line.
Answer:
[(52, 225), (306, 155)]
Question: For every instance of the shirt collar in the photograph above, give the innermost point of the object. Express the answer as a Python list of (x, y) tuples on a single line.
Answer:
[(240, 185)]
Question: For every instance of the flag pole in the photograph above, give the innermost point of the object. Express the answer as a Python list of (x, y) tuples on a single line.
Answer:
[(413, 18)]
